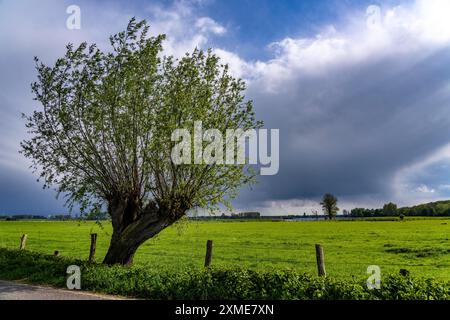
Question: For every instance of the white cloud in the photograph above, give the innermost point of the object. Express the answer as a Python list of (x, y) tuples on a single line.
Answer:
[(206, 24), (185, 30), (404, 29), (425, 189), (403, 181), (238, 66)]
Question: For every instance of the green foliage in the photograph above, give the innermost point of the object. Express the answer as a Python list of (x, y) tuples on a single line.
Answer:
[(439, 208), (390, 209), (431, 209), (329, 205), (103, 133), (213, 282)]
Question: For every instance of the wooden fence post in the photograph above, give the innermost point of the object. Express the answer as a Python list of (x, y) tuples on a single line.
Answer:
[(404, 272), (208, 257), (23, 241), (320, 261), (93, 246)]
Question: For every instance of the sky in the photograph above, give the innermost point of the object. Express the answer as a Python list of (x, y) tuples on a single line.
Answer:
[(360, 90)]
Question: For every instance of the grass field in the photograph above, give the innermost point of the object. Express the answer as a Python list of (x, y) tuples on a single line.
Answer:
[(421, 246)]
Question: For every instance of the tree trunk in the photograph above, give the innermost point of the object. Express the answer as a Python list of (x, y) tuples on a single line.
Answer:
[(132, 226), (125, 243), (121, 252)]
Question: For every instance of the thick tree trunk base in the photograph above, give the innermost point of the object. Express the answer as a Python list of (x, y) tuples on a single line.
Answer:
[(130, 232), (121, 252)]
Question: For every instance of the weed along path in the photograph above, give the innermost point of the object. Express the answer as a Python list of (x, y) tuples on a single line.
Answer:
[(19, 291)]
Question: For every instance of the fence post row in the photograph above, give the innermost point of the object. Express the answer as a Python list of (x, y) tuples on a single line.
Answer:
[(320, 261), (208, 256)]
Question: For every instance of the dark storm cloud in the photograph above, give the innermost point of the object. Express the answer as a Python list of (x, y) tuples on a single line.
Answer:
[(350, 130), (21, 194)]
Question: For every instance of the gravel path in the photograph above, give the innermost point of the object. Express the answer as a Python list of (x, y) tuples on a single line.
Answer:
[(18, 291)]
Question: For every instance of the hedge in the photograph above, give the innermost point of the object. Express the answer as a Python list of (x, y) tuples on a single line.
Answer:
[(211, 283)]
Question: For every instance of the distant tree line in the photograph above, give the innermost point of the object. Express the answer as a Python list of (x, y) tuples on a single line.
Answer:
[(432, 209), (22, 217), (58, 217), (245, 215), (329, 205)]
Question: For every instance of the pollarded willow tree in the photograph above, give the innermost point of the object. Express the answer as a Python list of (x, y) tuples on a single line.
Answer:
[(103, 134)]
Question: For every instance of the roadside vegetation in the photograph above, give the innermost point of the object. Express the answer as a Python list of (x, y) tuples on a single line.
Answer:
[(211, 283)]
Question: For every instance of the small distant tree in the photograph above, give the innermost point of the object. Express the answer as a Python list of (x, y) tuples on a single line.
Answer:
[(390, 209), (329, 205)]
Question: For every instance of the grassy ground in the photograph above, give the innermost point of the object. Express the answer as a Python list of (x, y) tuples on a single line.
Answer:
[(421, 246)]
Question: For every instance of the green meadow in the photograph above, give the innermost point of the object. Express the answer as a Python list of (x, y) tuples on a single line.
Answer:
[(421, 246)]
